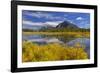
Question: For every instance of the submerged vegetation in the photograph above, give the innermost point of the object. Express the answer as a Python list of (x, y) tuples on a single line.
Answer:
[(33, 52)]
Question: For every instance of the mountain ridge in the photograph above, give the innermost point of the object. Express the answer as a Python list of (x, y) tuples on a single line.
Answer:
[(66, 24)]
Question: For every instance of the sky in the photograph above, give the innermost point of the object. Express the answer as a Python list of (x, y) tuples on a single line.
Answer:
[(41, 18)]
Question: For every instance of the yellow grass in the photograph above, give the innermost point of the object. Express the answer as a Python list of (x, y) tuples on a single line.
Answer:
[(51, 52), (75, 34)]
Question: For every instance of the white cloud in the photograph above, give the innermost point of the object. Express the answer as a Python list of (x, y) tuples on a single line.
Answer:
[(84, 24), (33, 23), (48, 23), (53, 24), (39, 14), (43, 15), (79, 18)]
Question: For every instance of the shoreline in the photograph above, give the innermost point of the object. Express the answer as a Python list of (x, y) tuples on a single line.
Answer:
[(74, 34)]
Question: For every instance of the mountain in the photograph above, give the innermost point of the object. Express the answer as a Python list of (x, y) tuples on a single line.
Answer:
[(38, 26), (67, 24), (50, 26)]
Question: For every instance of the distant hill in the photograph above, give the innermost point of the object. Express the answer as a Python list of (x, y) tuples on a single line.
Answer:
[(67, 24), (62, 26)]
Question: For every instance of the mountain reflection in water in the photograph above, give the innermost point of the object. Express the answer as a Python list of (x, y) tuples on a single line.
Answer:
[(70, 41)]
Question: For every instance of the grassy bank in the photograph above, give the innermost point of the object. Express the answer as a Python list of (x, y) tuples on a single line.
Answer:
[(33, 52), (73, 34)]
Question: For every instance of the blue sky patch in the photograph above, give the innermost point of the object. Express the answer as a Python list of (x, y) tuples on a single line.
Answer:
[(40, 18)]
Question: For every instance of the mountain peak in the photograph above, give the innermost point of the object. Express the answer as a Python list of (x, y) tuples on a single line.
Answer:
[(66, 24)]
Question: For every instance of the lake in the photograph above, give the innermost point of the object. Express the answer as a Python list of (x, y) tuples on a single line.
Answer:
[(70, 41)]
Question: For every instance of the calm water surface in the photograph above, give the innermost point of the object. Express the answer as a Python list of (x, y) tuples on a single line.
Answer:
[(44, 39)]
